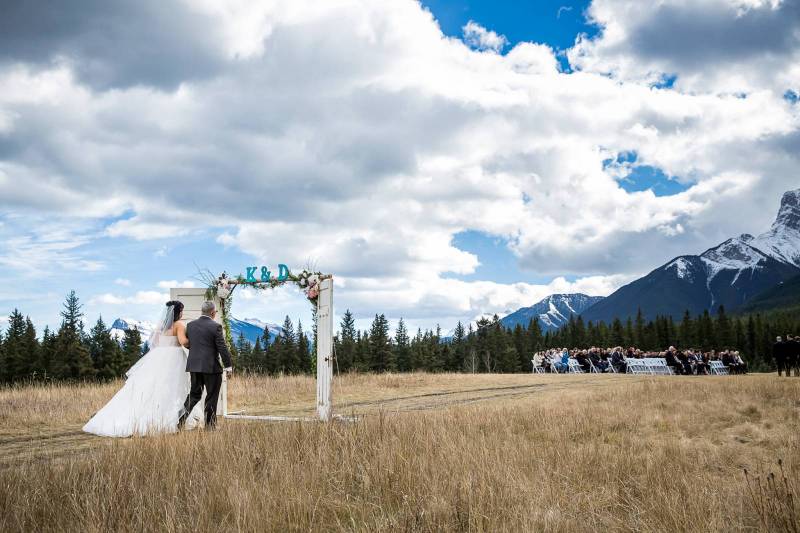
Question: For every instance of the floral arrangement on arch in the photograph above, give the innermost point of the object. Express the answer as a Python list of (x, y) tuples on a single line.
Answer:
[(308, 281)]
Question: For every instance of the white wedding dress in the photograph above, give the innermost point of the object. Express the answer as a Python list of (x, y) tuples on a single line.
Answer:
[(152, 397)]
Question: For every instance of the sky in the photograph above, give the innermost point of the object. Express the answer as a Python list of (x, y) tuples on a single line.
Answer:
[(444, 160)]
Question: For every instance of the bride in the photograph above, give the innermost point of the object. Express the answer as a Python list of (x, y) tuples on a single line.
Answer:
[(157, 385)]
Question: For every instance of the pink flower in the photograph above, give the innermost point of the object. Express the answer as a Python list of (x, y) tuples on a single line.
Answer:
[(313, 292)]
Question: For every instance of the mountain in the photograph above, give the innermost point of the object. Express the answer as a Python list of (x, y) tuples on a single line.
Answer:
[(782, 241), (785, 295), (552, 312), (252, 328), (121, 325), (729, 274)]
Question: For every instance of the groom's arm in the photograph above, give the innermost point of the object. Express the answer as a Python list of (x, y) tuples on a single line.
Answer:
[(222, 347)]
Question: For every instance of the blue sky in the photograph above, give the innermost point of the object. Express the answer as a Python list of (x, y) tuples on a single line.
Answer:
[(248, 134), (554, 23)]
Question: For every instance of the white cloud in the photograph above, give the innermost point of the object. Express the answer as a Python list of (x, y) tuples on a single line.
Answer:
[(369, 148), (123, 282), (480, 38), (725, 46), (149, 298), (32, 246), (173, 284)]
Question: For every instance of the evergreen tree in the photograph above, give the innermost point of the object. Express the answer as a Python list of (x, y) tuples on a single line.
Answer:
[(44, 366), (361, 360), (630, 337), (380, 350), (458, 349), (346, 347), (617, 337), (535, 338), (268, 363), (303, 353), (286, 349), (106, 355), (724, 333), (639, 339), (71, 359), (244, 352), (705, 332), (522, 354), (257, 357), (402, 348), (3, 360), (131, 347), (686, 336), (16, 364)]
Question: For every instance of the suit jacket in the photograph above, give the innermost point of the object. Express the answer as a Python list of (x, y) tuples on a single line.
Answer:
[(206, 342), (779, 351)]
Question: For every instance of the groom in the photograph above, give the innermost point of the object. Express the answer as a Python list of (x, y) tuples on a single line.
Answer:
[(206, 340)]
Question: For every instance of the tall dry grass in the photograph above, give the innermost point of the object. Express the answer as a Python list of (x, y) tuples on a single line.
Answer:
[(645, 454)]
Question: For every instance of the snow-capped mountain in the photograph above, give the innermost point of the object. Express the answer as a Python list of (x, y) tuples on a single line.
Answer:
[(251, 328), (552, 312), (728, 274), (782, 240), (121, 325)]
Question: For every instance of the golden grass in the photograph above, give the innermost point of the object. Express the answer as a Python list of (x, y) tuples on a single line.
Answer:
[(432, 453)]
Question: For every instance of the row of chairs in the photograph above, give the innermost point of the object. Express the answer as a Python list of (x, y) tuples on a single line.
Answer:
[(647, 365)]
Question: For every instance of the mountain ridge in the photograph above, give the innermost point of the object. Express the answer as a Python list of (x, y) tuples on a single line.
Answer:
[(729, 274), (552, 311)]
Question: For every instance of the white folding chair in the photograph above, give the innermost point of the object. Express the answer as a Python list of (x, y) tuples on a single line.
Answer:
[(717, 368), (575, 367), (636, 366)]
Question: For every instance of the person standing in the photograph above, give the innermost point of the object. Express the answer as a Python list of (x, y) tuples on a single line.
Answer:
[(779, 354), (206, 347), (793, 355)]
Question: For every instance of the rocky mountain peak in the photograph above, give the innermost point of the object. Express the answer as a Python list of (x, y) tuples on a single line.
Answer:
[(789, 212), (782, 240)]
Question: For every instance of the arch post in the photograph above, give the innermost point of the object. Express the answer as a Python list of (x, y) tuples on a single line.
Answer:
[(325, 349)]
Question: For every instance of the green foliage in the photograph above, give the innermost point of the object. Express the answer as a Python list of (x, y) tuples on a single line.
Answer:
[(486, 346), (106, 354), (71, 359), (380, 348), (131, 347)]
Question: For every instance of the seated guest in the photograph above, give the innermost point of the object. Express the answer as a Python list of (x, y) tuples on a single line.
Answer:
[(740, 364), (562, 364), (597, 361), (538, 360), (700, 366), (546, 361), (618, 361), (671, 358), (583, 359), (686, 365), (728, 361)]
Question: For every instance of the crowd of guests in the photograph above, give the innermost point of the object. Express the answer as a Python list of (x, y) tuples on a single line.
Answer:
[(685, 362)]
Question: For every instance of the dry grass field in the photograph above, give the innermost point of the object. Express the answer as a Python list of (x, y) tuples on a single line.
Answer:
[(429, 453)]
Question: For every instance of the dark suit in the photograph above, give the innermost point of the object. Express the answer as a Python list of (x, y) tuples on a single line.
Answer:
[(206, 346), (793, 357), (779, 353)]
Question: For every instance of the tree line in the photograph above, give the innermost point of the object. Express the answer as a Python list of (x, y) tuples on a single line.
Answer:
[(72, 354), (68, 353), (489, 346)]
